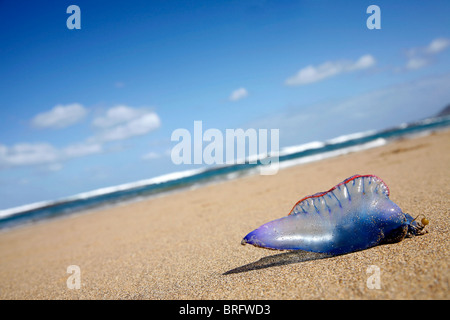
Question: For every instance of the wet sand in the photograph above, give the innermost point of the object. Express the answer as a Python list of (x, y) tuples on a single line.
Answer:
[(187, 245)]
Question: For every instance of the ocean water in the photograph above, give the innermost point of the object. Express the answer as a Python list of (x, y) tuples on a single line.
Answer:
[(289, 156)]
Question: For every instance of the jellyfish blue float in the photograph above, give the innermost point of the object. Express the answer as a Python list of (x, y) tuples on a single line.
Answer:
[(354, 215)]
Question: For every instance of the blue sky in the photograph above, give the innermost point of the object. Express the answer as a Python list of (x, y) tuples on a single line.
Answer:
[(95, 107)]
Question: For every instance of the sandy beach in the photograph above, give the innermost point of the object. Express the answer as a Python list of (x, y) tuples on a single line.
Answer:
[(187, 245)]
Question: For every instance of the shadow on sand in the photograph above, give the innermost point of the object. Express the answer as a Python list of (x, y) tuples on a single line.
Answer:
[(279, 260)]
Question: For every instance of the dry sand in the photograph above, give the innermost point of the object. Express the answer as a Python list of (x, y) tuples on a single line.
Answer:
[(187, 245)]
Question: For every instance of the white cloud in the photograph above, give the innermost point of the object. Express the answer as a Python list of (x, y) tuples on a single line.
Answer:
[(118, 123), (119, 84), (123, 122), (238, 94), (60, 116), (437, 45), (420, 57), (311, 74), (364, 62), (416, 63), (26, 154), (151, 156), (81, 149), (409, 101), (117, 115), (54, 167)]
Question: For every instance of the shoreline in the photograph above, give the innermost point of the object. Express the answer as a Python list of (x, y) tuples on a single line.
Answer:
[(230, 176), (186, 244), (288, 156)]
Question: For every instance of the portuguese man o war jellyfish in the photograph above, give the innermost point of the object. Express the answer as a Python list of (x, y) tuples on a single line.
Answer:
[(354, 215)]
